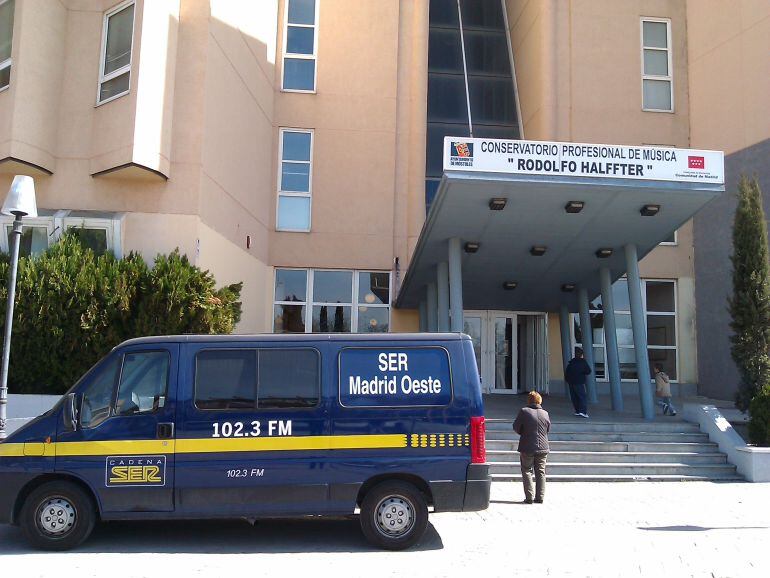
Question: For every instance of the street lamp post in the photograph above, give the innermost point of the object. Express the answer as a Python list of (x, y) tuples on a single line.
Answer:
[(20, 202)]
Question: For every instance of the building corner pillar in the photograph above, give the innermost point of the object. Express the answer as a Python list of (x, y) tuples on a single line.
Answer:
[(431, 299)]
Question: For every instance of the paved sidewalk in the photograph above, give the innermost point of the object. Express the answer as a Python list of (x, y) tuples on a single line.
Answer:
[(645, 529)]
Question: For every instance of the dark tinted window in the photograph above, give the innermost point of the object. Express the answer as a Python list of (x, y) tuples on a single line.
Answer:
[(482, 14), (487, 53), (288, 378), (444, 13), (226, 379), (446, 98), (492, 100), (445, 50)]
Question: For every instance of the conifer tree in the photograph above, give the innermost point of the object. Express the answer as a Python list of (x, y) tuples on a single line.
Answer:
[(750, 302)]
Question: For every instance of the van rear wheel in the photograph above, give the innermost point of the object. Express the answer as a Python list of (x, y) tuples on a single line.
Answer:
[(394, 515), (57, 516)]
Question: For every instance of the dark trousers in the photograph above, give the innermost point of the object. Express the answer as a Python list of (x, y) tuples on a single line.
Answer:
[(577, 392), (533, 489)]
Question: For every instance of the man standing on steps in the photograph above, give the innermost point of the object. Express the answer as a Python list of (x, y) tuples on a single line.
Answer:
[(575, 374), (533, 424)]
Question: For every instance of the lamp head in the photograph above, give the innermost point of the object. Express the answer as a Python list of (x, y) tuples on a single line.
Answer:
[(20, 201)]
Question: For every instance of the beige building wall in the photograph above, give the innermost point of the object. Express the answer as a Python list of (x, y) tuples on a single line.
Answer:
[(186, 157), (729, 73), (578, 70)]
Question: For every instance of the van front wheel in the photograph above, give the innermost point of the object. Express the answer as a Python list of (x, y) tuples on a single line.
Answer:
[(394, 515), (57, 516)]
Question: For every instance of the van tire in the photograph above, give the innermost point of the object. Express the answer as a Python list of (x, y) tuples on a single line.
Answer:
[(409, 511), (69, 508)]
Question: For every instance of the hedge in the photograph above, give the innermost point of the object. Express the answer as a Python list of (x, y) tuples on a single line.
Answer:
[(73, 306)]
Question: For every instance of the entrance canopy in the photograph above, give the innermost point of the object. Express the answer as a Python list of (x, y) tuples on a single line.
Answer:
[(569, 199)]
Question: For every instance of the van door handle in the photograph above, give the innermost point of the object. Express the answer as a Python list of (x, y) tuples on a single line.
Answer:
[(165, 431)]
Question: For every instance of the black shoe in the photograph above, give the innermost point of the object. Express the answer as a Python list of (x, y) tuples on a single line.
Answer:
[(539, 500), (527, 501)]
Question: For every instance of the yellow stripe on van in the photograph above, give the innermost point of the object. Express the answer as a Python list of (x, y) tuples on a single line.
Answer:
[(205, 445), (115, 447), (298, 443)]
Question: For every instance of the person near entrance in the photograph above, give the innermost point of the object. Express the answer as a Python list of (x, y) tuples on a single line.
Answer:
[(533, 424), (663, 391), (575, 373)]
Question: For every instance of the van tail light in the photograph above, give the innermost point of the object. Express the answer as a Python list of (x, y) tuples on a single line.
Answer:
[(478, 440)]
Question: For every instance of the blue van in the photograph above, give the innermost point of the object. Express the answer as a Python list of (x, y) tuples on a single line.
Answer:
[(256, 427)]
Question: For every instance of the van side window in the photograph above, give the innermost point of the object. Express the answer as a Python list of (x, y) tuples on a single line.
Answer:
[(288, 378), (143, 382), (97, 396), (226, 379)]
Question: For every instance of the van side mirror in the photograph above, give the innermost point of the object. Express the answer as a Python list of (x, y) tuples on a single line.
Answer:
[(70, 411)]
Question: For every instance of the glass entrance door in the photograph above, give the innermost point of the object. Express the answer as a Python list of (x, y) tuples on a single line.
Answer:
[(511, 350), (503, 351)]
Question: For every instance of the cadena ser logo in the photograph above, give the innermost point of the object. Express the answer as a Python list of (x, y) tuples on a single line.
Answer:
[(461, 154), (135, 471), (696, 162)]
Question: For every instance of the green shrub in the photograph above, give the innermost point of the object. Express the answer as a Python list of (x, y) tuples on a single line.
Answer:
[(759, 419), (72, 307)]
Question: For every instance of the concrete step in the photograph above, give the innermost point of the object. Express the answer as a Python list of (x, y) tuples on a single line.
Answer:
[(691, 458), (581, 446), (614, 469), (620, 478), (590, 425), (673, 437)]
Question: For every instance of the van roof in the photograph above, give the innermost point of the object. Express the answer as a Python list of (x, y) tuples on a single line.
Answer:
[(294, 337)]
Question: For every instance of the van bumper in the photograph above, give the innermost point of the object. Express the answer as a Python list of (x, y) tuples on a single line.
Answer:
[(477, 488), (470, 495)]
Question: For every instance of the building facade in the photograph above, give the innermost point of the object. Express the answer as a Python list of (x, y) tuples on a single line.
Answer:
[(297, 146)]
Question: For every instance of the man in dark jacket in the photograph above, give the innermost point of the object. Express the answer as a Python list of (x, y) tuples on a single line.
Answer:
[(575, 373), (533, 424)]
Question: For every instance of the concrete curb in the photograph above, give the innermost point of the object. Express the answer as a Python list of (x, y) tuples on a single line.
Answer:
[(752, 462)]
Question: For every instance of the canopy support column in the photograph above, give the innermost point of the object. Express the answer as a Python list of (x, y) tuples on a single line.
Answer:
[(639, 330), (442, 282), (423, 312), (455, 284), (587, 337), (432, 308), (566, 343), (611, 339)]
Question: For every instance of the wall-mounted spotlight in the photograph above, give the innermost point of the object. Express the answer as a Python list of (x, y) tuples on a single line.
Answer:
[(574, 206), (568, 287), (510, 285), (471, 247), (604, 253), (497, 203), (649, 210), (537, 251)]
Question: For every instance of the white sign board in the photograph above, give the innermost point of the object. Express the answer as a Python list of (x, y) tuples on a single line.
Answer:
[(523, 157)]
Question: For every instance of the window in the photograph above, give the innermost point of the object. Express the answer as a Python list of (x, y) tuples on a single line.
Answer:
[(36, 236), (672, 239), (117, 41), (294, 180), (659, 301), (300, 45), (97, 396), (657, 79), (101, 232), (331, 301), (6, 41), (143, 382), (288, 378), (228, 378)]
